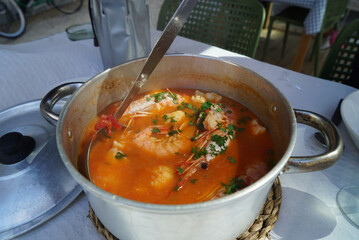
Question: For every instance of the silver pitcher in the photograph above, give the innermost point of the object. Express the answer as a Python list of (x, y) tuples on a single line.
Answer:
[(121, 29)]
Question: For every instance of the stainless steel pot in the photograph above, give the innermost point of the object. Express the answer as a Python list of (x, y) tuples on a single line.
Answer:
[(224, 218)]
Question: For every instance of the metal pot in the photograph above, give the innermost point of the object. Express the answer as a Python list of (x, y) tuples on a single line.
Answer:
[(224, 218)]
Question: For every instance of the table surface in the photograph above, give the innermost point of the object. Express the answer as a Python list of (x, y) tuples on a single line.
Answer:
[(308, 211)]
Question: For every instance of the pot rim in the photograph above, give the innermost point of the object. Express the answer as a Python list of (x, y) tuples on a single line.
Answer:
[(89, 186)]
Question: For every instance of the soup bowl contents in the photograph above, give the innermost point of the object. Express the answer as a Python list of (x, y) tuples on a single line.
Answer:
[(222, 218), (179, 146)]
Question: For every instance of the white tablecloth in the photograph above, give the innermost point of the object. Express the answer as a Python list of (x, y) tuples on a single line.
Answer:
[(309, 210)]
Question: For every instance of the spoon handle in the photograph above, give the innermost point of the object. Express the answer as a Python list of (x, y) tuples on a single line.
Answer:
[(164, 42)]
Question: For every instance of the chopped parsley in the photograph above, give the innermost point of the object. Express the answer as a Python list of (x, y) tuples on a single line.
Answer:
[(219, 140), (233, 185), (206, 105), (186, 105), (193, 181), (189, 116), (165, 117), (202, 116), (172, 132), (198, 152), (155, 130), (194, 138), (173, 96), (106, 133), (231, 129), (120, 155), (220, 127), (222, 105), (212, 147), (231, 159), (180, 170), (191, 123), (159, 96)]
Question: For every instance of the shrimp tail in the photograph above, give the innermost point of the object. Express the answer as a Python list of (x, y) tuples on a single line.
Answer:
[(190, 170)]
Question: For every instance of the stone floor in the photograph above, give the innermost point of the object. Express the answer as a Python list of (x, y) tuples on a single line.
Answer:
[(52, 21)]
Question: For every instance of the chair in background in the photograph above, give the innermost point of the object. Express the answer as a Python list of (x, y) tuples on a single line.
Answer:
[(342, 61), (334, 11), (230, 24)]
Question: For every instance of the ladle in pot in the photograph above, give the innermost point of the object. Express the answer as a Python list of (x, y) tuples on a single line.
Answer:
[(162, 45)]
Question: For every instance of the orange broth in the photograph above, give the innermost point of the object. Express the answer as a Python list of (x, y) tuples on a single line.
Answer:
[(167, 155)]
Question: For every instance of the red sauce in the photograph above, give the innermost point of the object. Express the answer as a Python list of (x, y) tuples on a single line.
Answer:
[(180, 147)]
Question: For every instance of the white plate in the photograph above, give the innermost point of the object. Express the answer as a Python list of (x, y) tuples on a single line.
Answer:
[(350, 115)]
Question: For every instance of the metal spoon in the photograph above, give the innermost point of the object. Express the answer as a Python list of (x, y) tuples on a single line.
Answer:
[(164, 42)]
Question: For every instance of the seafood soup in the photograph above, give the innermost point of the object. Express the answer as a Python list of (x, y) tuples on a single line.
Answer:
[(179, 146)]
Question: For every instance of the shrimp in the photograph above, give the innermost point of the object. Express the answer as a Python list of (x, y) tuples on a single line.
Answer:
[(214, 117), (155, 101), (156, 139), (253, 173), (162, 176), (256, 128), (215, 144), (213, 97), (212, 142), (177, 116)]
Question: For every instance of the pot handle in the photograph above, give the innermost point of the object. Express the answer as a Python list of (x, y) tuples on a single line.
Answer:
[(52, 97), (334, 144)]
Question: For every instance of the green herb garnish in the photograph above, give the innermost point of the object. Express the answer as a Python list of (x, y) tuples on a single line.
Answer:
[(231, 159), (219, 140), (233, 185), (172, 132), (198, 152), (206, 105), (173, 96), (120, 155), (194, 138), (193, 181), (202, 117), (155, 130), (159, 96)]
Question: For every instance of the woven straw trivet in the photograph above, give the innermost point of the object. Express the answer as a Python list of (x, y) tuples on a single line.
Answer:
[(260, 228)]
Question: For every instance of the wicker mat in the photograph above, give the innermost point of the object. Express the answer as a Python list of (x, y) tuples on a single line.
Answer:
[(260, 228)]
